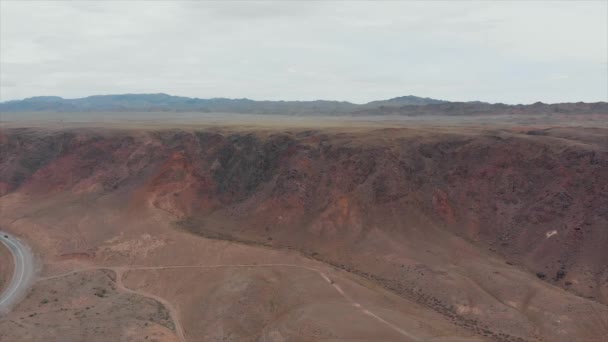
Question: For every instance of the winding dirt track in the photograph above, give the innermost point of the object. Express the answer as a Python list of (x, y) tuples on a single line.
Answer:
[(120, 270), (24, 270)]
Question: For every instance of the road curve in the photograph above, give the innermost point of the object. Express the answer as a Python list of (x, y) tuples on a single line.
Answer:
[(23, 273)]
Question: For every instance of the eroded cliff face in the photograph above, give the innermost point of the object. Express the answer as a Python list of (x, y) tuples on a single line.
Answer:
[(415, 210)]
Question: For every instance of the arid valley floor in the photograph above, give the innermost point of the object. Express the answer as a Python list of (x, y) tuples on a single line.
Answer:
[(305, 230)]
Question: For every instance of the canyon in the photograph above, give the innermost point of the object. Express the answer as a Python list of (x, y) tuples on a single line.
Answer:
[(276, 231)]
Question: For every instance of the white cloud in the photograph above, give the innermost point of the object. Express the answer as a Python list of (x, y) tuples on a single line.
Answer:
[(357, 51)]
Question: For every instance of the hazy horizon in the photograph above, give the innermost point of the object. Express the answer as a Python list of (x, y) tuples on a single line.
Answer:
[(284, 100), (508, 52)]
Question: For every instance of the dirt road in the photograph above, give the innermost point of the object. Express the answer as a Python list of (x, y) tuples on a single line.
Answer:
[(119, 270)]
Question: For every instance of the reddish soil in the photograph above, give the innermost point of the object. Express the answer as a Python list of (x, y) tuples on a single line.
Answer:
[(86, 307), (498, 234)]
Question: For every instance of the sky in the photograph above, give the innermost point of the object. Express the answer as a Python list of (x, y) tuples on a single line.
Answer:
[(505, 51)]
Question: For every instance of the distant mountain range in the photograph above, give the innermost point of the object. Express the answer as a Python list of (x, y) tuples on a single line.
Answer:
[(164, 102), (404, 105)]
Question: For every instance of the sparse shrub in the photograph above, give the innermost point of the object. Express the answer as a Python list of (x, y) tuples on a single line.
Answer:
[(100, 292)]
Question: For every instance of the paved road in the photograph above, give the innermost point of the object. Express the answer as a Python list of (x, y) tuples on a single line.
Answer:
[(23, 273)]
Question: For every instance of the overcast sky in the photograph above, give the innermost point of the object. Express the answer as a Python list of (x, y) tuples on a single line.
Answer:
[(509, 51)]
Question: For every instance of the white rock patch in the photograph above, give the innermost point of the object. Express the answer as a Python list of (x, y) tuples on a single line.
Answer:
[(551, 233)]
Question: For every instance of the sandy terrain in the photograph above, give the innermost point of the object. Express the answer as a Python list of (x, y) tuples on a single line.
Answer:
[(273, 297), (336, 233), (86, 307)]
